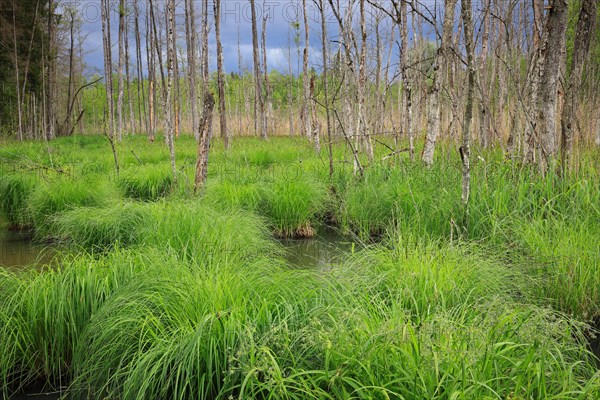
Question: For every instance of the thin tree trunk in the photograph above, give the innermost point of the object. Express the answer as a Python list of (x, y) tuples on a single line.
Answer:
[(190, 35), (168, 109), (406, 81), (220, 75), (259, 112), (17, 81), (105, 9), (138, 51), (583, 36), (51, 73), (205, 46), (466, 12), (362, 86), (121, 67), (151, 77), (433, 115), (269, 120), (27, 62), (531, 142), (484, 111), (305, 116), (66, 126), (289, 86), (132, 126), (316, 127), (204, 143), (326, 84), (176, 96)]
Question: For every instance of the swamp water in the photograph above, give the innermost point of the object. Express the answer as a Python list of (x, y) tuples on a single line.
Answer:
[(321, 252), (18, 252)]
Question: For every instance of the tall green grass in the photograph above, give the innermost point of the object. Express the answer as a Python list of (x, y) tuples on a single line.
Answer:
[(43, 314), (14, 193), (366, 330), (189, 230), (188, 297), (52, 197), (148, 183)]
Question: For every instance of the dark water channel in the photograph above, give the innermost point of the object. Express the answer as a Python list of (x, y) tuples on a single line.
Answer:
[(322, 252), (18, 252)]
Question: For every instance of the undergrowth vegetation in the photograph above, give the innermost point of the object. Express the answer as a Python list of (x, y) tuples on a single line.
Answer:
[(174, 296)]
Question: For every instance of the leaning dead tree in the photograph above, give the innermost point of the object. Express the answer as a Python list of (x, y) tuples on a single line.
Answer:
[(204, 143), (220, 75)]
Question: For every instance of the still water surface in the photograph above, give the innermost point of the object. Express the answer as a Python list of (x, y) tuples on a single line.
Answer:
[(18, 252)]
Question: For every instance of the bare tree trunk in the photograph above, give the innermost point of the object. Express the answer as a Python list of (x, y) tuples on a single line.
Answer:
[(531, 138), (204, 61), (221, 76), (406, 81), (66, 126), (433, 115), (466, 12), (484, 112), (204, 143), (105, 8), (583, 36), (190, 36), (259, 112), (51, 73), (138, 51), (316, 127), (269, 119), (158, 51), (362, 86), (305, 115), (289, 87), (168, 109), (17, 80), (176, 96), (326, 84), (121, 66), (26, 71), (204, 56), (555, 51), (132, 126), (151, 76)]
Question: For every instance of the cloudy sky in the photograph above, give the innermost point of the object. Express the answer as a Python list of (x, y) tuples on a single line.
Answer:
[(235, 26)]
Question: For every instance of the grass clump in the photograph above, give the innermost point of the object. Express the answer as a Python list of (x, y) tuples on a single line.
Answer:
[(14, 193), (63, 194), (147, 183), (295, 205), (100, 228), (200, 234), (44, 313)]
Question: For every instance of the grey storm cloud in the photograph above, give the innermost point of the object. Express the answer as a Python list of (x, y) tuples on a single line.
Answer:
[(235, 28)]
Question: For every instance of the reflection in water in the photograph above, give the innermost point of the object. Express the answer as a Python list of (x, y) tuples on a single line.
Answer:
[(18, 252), (321, 252)]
